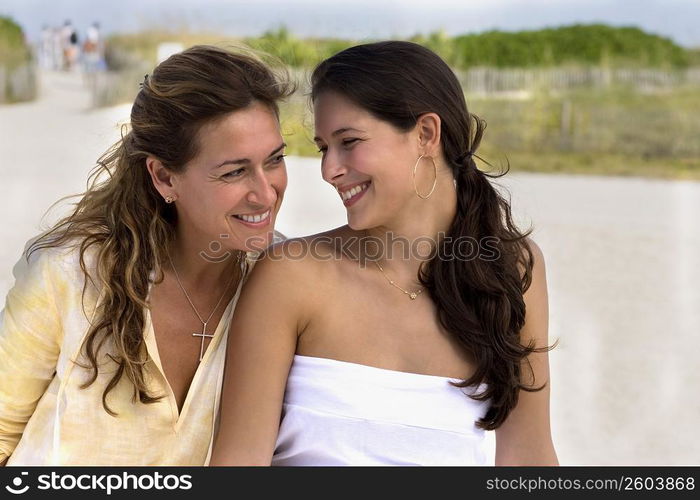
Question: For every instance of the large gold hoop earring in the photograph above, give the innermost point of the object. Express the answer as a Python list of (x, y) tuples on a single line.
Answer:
[(415, 188)]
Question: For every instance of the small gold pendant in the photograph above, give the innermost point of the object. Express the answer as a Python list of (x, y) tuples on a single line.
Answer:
[(413, 295)]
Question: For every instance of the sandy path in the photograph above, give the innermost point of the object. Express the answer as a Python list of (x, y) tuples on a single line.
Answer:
[(622, 263), (47, 148)]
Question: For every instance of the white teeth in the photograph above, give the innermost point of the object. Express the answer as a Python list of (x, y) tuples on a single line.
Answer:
[(253, 218), (346, 195)]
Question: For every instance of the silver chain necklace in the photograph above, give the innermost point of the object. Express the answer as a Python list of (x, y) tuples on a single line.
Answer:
[(204, 333)]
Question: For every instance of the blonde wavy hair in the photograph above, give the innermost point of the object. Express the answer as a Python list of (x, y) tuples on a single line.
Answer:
[(122, 215)]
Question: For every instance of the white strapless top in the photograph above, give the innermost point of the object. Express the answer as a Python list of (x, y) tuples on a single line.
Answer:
[(341, 413)]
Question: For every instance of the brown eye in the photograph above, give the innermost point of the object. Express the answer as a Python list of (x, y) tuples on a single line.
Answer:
[(275, 161), (233, 173)]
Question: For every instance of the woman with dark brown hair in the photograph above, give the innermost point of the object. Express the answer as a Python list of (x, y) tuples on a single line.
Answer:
[(113, 337), (420, 324)]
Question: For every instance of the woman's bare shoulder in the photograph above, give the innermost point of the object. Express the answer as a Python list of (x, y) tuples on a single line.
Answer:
[(304, 263), (296, 274), (312, 251), (531, 259)]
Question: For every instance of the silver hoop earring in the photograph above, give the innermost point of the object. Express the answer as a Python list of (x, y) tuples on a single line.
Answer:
[(415, 188)]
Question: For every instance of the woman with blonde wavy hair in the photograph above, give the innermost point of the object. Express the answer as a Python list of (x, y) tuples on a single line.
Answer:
[(113, 337)]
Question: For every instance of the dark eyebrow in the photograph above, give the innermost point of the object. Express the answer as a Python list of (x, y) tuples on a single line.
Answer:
[(245, 161), (339, 131)]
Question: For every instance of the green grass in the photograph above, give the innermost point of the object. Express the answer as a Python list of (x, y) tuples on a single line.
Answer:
[(618, 121), (613, 131), (17, 73), (592, 44), (123, 50), (595, 164), (694, 57), (13, 49)]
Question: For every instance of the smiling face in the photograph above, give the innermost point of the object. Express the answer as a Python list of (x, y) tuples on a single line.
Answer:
[(232, 190), (367, 160)]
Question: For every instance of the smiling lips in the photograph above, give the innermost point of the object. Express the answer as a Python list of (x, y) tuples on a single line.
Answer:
[(354, 193), (255, 220), (348, 195)]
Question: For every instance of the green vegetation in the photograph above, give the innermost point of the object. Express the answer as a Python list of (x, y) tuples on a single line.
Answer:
[(125, 50), (277, 46), (611, 129), (694, 57), (595, 44), (13, 49), (612, 121), (294, 52), (602, 132), (587, 45), (17, 76)]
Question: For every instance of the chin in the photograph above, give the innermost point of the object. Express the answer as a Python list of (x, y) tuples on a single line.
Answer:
[(355, 226), (259, 242), (359, 223)]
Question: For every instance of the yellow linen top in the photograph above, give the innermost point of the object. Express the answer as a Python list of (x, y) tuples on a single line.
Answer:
[(46, 418)]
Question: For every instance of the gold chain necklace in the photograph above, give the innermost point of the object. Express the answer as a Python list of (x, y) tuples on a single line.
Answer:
[(412, 295)]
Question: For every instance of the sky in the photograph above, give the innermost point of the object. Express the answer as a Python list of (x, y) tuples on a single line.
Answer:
[(357, 19)]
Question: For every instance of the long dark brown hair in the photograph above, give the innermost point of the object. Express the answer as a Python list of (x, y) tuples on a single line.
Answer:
[(479, 301), (124, 218)]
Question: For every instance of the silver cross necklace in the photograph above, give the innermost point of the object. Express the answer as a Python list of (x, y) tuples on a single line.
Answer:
[(204, 333)]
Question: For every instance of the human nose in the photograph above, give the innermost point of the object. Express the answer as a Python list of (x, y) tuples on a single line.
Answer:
[(262, 192), (332, 168)]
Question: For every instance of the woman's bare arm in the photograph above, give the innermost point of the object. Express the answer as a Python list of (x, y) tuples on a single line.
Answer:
[(261, 346), (525, 437)]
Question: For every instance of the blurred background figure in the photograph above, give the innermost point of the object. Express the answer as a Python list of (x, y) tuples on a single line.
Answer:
[(45, 49), (93, 49), (71, 48), (56, 47)]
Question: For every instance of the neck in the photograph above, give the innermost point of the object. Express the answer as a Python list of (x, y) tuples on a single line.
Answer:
[(419, 228), (197, 265)]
